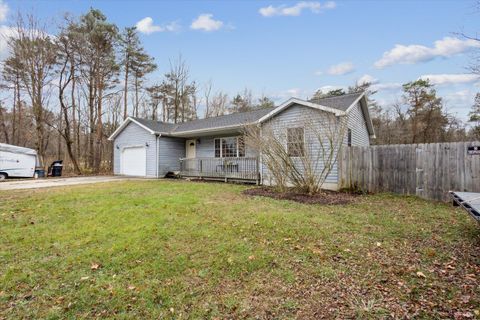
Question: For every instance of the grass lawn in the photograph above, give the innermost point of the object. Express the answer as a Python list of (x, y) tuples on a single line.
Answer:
[(176, 249)]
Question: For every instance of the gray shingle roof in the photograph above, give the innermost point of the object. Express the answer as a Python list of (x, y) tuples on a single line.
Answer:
[(157, 126), (238, 119), (338, 102), (230, 120), (234, 119)]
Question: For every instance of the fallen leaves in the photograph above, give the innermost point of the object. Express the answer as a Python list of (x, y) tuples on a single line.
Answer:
[(420, 274), (95, 266)]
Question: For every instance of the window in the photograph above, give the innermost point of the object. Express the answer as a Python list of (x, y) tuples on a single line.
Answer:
[(218, 150), (295, 142), (229, 147), (349, 137)]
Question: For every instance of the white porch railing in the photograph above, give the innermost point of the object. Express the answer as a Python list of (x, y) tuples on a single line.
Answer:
[(241, 168)]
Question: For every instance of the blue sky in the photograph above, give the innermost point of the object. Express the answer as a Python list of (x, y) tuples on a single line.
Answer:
[(285, 48)]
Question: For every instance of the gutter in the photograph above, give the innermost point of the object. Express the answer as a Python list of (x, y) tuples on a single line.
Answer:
[(186, 134)]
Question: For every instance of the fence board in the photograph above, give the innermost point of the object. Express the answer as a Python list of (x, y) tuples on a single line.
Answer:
[(427, 170)]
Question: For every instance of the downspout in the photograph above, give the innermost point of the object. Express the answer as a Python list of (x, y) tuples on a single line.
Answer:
[(157, 152), (260, 158)]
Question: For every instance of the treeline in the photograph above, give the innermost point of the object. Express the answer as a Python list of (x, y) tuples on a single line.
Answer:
[(65, 93), (420, 116)]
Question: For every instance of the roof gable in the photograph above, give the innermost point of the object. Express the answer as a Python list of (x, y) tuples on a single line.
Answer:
[(125, 124), (292, 101)]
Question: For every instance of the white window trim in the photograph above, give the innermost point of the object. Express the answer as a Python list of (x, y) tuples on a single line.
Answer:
[(221, 149), (304, 142)]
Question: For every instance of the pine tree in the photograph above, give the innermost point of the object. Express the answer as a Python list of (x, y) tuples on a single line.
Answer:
[(474, 117)]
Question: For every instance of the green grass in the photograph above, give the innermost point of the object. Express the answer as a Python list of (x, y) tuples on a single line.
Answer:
[(176, 249)]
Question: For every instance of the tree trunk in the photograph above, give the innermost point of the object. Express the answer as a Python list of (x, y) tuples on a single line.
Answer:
[(99, 130), (136, 96), (91, 109), (72, 93), (19, 107), (3, 125), (14, 116), (59, 137), (125, 95)]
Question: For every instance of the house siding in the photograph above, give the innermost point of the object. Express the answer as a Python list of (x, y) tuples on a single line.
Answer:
[(170, 151), (356, 123), (134, 135), (298, 116)]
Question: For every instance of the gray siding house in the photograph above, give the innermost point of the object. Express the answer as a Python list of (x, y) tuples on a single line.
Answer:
[(214, 148)]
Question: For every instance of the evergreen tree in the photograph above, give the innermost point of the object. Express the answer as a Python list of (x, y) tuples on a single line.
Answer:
[(425, 111), (264, 102), (474, 117), (319, 94)]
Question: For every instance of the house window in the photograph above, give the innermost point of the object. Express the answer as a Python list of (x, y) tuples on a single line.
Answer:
[(229, 147), (295, 142), (349, 137)]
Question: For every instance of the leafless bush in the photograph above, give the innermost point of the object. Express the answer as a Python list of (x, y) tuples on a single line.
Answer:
[(301, 156)]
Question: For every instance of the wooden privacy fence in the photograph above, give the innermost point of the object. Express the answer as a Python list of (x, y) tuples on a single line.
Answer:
[(426, 170)]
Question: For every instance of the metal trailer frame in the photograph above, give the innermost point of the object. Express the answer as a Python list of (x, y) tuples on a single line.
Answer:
[(470, 201)]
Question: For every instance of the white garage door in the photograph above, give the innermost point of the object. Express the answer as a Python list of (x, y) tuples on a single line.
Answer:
[(134, 161)]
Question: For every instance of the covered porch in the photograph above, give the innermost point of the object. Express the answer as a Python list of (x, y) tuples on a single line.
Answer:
[(222, 156)]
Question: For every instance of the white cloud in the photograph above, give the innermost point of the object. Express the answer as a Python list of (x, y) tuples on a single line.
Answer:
[(294, 92), (280, 96), (376, 85), (5, 34), (341, 69), (410, 54), (445, 79), (147, 26), (328, 88), (388, 86), (459, 102), (3, 11), (206, 22), (366, 78), (460, 97), (296, 9)]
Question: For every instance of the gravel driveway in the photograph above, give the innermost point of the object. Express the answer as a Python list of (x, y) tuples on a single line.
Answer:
[(55, 182)]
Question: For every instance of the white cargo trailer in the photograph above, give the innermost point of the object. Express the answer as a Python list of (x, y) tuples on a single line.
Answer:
[(17, 162)]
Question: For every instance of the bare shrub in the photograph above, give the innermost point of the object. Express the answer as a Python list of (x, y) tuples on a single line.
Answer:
[(302, 155)]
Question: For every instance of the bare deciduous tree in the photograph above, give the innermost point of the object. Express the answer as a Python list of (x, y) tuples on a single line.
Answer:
[(218, 105), (35, 54)]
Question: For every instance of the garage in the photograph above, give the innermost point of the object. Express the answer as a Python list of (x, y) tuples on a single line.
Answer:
[(134, 161)]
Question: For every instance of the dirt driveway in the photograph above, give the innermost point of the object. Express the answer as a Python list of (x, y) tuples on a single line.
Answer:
[(55, 182)]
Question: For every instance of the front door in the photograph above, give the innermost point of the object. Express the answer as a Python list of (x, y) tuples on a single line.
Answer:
[(190, 151)]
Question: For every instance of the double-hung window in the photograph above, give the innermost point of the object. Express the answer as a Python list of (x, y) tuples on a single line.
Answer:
[(229, 147), (295, 142)]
